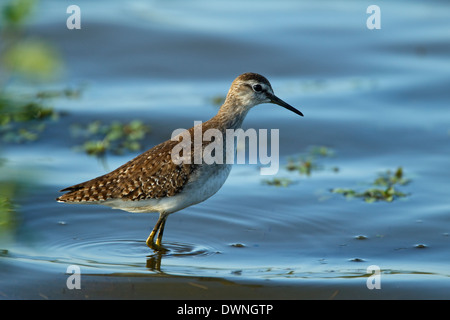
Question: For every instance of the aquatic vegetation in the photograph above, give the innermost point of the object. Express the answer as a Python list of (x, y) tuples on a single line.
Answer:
[(372, 195), (385, 188), (15, 12), (278, 182), (65, 93), (33, 59), (7, 208), (13, 185), (23, 58), (22, 121), (389, 178), (24, 117), (115, 137), (302, 165), (306, 164)]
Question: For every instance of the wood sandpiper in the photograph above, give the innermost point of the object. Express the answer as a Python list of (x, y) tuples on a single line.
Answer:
[(153, 182)]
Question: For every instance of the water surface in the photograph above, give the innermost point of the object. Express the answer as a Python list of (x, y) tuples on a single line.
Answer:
[(377, 98)]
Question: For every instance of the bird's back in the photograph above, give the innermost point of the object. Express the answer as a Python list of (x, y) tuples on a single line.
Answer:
[(151, 175)]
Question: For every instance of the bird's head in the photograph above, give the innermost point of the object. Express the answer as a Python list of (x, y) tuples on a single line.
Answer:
[(251, 89)]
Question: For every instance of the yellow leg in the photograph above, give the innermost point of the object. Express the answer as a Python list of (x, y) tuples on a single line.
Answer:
[(160, 233), (158, 228)]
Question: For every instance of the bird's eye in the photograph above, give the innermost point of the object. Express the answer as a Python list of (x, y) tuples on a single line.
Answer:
[(257, 87)]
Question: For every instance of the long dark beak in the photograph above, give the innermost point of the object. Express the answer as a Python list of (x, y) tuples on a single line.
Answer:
[(278, 101)]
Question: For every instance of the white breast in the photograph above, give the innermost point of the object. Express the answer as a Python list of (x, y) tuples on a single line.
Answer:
[(203, 183)]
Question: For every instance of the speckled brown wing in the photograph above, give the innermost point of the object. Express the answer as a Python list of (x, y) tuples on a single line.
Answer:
[(151, 175)]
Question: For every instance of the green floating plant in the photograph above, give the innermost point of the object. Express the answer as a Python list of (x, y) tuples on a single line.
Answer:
[(389, 178), (24, 117), (304, 165), (65, 93), (7, 207), (115, 137), (372, 195), (23, 121), (387, 190), (278, 182), (308, 163)]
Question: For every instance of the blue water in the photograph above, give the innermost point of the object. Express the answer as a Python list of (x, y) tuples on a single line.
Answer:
[(378, 98)]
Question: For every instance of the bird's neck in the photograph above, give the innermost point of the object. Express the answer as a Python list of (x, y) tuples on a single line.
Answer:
[(232, 113)]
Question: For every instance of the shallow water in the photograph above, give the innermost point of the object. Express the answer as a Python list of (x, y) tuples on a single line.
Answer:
[(377, 98)]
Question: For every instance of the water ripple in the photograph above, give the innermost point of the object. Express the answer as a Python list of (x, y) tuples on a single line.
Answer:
[(115, 255)]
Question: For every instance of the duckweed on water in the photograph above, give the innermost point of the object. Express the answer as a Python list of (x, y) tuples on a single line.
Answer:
[(388, 181), (116, 137)]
